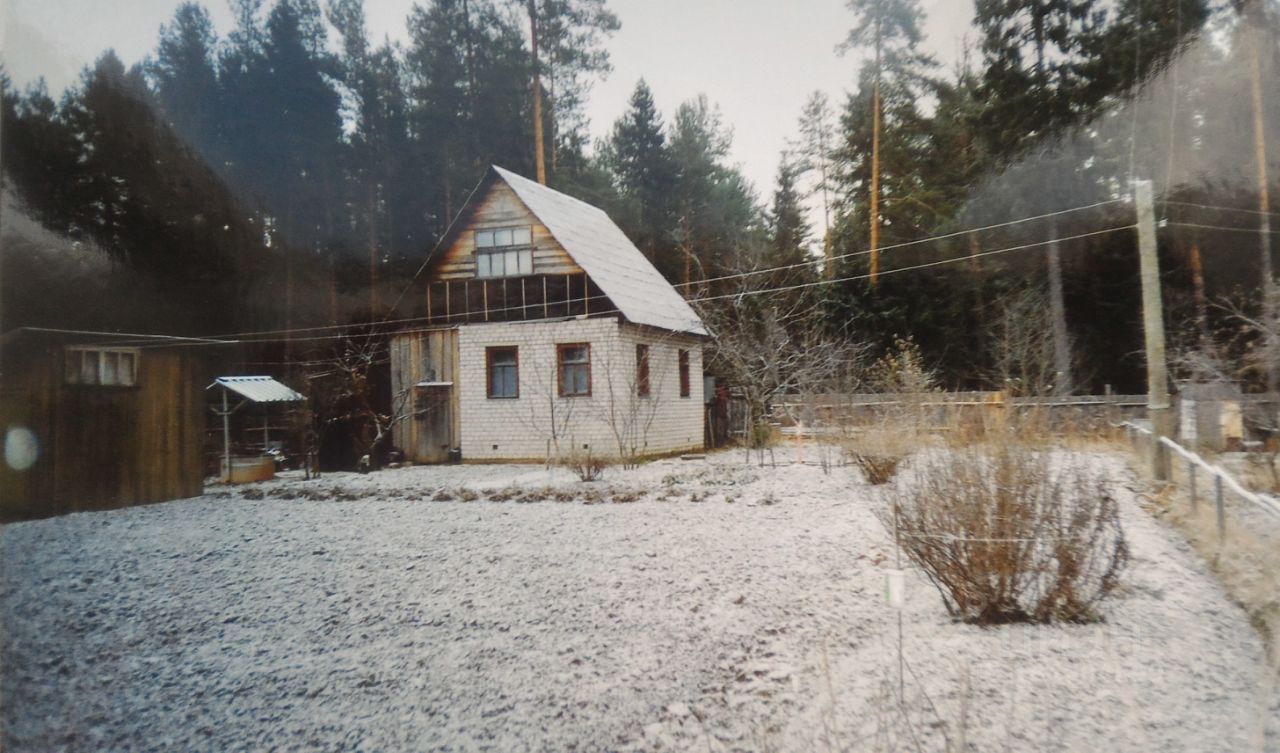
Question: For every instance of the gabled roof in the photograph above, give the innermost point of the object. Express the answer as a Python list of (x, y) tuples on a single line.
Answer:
[(604, 252)]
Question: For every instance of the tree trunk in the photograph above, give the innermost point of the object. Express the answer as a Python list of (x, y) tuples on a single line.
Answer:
[(1198, 293), (1062, 384), (539, 158), (875, 164), (371, 219)]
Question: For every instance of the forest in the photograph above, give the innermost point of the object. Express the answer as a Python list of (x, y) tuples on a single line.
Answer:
[(284, 183)]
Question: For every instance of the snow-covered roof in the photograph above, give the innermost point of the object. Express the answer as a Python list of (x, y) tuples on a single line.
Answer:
[(608, 257), (258, 389)]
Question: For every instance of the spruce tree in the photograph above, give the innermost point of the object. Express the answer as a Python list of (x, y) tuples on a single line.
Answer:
[(637, 155)]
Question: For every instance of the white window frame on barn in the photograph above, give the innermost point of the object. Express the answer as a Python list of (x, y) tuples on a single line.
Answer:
[(504, 252), (105, 367)]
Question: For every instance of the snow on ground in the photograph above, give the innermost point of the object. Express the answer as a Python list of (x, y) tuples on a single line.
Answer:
[(729, 608)]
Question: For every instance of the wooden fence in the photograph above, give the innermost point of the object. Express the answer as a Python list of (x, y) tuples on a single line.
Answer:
[(819, 413)]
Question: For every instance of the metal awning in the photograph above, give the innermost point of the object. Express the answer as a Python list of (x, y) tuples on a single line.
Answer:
[(434, 384), (258, 389)]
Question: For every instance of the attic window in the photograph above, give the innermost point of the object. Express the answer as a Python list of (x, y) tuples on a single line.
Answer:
[(116, 367), (504, 252)]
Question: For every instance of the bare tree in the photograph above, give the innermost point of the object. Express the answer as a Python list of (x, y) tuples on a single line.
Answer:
[(345, 392), (1023, 349), (634, 395), (547, 413), (770, 345)]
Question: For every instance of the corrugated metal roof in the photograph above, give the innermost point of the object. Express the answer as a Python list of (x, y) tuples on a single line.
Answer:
[(259, 389), (610, 258)]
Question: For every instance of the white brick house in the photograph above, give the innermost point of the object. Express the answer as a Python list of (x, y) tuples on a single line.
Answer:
[(547, 331)]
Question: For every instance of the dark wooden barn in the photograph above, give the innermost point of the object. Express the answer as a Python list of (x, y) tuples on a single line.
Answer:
[(98, 422)]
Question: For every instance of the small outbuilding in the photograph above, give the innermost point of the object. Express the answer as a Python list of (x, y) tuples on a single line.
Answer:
[(98, 421), (238, 395)]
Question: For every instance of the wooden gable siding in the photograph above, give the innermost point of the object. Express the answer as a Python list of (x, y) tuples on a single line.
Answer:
[(500, 207)]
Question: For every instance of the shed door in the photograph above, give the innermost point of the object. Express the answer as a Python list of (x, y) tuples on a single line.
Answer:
[(434, 415)]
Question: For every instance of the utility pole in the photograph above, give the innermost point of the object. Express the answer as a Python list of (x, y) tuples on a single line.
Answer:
[(1256, 19), (1159, 409)]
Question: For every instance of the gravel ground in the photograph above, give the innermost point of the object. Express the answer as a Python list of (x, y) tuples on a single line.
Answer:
[(727, 608)]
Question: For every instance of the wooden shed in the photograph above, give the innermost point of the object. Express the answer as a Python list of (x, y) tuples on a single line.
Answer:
[(98, 422)]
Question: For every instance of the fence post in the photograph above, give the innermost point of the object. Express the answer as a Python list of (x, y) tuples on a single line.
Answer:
[(1191, 472), (1222, 513)]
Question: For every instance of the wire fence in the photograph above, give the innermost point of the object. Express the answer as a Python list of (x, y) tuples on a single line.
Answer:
[(1199, 470)]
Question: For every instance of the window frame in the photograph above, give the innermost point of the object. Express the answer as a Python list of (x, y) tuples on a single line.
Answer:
[(522, 251), (101, 356), (643, 385), (682, 364), (489, 354), (561, 348)]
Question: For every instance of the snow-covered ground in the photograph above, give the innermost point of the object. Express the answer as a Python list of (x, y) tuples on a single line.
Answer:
[(727, 608)]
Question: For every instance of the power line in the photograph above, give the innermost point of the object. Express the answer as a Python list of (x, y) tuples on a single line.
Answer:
[(904, 244), (128, 336), (1218, 208), (696, 299), (926, 265), (255, 335), (1217, 227)]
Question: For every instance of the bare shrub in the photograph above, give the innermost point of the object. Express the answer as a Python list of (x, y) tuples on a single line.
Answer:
[(879, 452), (1009, 534), (586, 466), (877, 469)]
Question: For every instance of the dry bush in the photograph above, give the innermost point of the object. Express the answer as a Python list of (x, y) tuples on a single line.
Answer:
[(1009, 534), (879, 452), (877, 469), (586, 466)]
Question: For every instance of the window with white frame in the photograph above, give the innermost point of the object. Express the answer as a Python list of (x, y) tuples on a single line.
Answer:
[(113, 367), (504, 252)]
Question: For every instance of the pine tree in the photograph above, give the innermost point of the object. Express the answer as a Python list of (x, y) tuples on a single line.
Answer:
[(571, 53), (788, 230), (637, 155), (468, 74), (817, 140), (890, 31), (377, 167), (185, 76)]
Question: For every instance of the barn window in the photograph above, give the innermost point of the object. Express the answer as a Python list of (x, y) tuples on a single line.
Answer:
[(503, 367), (504, 252), (642, 370), (684, 373), (115, 367), (574, 361)]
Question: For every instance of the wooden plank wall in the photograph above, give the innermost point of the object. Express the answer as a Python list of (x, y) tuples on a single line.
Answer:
[(108, 447), (418, 357)]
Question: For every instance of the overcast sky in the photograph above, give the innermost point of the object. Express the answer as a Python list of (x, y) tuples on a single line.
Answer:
[(757, 59)]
